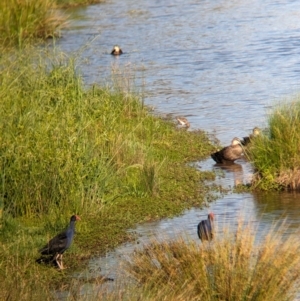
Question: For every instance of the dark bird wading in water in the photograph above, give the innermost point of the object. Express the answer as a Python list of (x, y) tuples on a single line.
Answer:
[(206, 228), (229, 153), (60, 243)]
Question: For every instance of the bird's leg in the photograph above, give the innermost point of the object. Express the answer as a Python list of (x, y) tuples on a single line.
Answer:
[(60, 264), (56, 257)]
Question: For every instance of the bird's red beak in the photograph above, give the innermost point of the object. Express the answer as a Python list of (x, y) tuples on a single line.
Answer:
[(78, 218)]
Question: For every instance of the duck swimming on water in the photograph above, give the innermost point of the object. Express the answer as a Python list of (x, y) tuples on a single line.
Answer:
[(116, 50), (247, 140), (229, 153)]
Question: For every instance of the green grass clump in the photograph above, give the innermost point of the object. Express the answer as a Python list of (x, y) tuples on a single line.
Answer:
[(275, 155), (232, 267), (22, 22)]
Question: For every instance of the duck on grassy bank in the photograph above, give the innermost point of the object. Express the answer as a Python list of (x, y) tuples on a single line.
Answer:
[(60, 243), (229, 153), (205, 228), (183, 122)]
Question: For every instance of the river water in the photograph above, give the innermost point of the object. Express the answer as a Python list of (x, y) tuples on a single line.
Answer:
[(221, 64)]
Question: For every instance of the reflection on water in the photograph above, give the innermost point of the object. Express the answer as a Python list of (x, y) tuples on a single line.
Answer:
[(230, 175), (235, 169), (219, 63), (274, 206)]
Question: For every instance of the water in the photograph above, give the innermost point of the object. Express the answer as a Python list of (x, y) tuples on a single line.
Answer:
[(222, 64)]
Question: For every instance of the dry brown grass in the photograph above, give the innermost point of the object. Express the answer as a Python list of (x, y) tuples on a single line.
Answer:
[(233, 267), (289, 179)]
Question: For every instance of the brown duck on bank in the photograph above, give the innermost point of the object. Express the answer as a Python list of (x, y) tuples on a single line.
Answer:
[(116, 50), (247, 140), (229, 153), (183, 121)]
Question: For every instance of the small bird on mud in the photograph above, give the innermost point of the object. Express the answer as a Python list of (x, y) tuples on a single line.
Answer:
[(206, 228), (183, 121), (229, 153), (116, 50), (60, 243), (247, 140)]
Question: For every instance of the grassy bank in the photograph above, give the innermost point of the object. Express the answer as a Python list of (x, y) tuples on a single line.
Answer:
[(97, 152), (275, 154)]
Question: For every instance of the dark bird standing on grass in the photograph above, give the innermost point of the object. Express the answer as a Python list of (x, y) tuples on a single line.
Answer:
[(116, 50), (255, 133), (60, 243), (229, 153), (206, 229)]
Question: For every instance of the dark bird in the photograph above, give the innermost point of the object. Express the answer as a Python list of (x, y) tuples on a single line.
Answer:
[(229, 153), (206, 229), (116, 50), (183, 121), (60, 243), (247, 140)]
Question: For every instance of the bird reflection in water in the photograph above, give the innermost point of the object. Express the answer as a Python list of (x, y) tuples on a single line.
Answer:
[(234, 168)]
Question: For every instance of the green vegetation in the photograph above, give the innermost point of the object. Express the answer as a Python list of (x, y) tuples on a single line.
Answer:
[(28, 21), (97, 152), (275, 155), (68, 3), (62, 145), (232, 267), (22, 22)]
